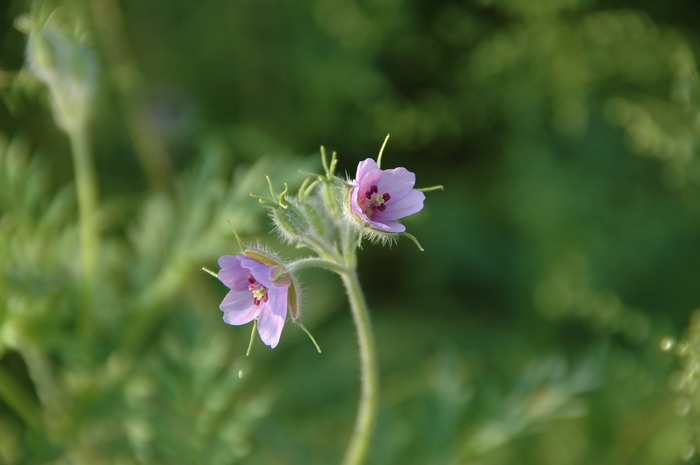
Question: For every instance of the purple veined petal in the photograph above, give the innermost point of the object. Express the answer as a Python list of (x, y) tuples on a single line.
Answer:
[(273, 314), (238, 308), (368, 174), (366, 168), (386, 226), (371, 179), (261, 272), (398, 182), (232, 274), (406, 206)]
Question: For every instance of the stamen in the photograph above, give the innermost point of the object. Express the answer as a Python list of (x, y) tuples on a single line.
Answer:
[(258, 290), (376, 202)]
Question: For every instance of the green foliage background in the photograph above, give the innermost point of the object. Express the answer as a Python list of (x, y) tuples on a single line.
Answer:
[(548, 322)]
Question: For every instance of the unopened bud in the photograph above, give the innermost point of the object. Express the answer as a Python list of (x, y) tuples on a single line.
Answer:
[(331, 199), (314, 215), (291, 222)]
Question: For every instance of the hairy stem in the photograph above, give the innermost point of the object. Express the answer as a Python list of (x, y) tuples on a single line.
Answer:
[(314, 262), (86, 186), (356, 452)]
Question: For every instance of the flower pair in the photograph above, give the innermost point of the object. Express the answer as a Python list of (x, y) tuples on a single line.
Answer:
[(261, 288)]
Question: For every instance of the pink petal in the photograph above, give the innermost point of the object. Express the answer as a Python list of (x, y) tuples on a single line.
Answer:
[(386, 226), (232, 274), (236, 301), (238, 308), (398, 182), (368, 174), (272, 317), (261, 272), (405, 206), (366, 168), (355, 206), (367, 182)]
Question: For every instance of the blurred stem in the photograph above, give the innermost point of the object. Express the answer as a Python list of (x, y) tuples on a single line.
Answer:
[(356, 452), (17, 398), (86, 185), (150, 147)]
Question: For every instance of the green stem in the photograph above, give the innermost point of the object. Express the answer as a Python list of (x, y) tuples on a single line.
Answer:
[(367, 410), (86, 187), (315, 263)]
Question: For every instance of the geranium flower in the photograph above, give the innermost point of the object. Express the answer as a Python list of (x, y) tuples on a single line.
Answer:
[(380, 197), (256, 293)]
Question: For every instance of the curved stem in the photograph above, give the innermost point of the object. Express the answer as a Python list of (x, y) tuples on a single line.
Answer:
[(314, 262), (367, 410)]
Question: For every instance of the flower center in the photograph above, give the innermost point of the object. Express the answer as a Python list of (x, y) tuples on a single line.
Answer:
[(373, 202), (259, 291)]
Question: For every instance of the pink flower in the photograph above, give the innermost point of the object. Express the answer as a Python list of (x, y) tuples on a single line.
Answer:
[(379, 197), (254, 294)]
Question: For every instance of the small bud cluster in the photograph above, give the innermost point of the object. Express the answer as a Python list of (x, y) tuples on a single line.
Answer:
[(329, 216)]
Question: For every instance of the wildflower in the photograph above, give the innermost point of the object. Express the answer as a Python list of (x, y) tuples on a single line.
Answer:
[(257, 292), (379, 197)]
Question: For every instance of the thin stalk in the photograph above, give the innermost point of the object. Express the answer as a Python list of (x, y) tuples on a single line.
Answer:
[(356, 452), (314, 262), (321, 247), (86, 186)]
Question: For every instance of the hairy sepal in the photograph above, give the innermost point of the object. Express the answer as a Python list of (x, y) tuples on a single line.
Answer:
[(290, 221)]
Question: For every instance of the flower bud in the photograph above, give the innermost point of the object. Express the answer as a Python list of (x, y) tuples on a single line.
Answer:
[(330, 199), (291, 222), (314, 215)]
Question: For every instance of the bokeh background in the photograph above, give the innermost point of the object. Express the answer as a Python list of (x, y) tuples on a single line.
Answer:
[(549, 320)]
